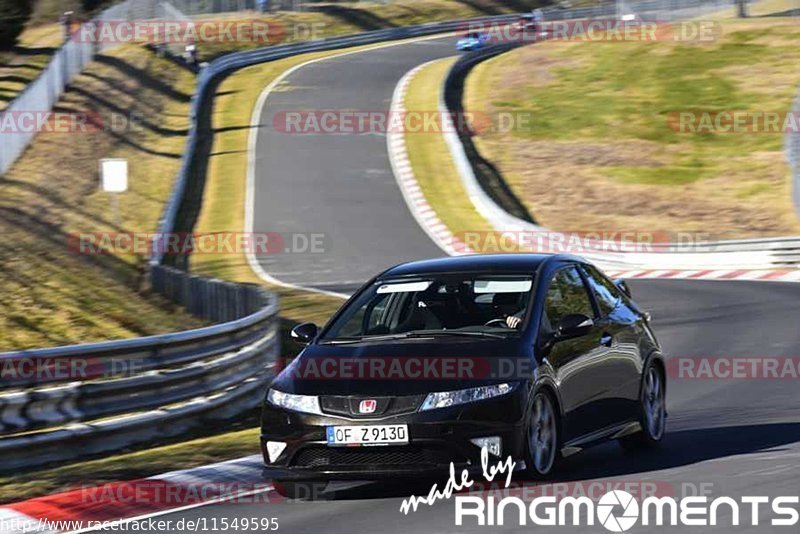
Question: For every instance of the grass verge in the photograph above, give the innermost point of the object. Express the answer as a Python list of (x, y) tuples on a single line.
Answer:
[(430, 157), (23, 64), (601, 130), (52, 295)]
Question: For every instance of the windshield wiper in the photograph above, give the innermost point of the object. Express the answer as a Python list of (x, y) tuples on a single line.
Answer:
[(471, 333), (360, 339), (413, 334)]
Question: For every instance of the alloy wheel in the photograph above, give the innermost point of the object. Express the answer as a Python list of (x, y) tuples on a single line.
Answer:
[(542, 434), (654, 410)]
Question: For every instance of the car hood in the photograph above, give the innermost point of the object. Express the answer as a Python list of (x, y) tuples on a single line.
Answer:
[(404, 367)]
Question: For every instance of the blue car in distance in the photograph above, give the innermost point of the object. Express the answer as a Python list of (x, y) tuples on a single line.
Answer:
[(472, 41)]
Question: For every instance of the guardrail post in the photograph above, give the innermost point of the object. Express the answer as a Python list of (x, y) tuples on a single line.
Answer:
[(46, 404), (11, 411)]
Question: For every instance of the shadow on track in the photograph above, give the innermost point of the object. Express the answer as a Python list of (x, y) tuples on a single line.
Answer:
[(680, 448)]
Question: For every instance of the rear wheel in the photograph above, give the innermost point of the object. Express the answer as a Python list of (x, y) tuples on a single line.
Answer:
[(542, 437), (653, 412)]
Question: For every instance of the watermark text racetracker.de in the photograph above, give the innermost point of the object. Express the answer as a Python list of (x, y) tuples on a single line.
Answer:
[(606, 30), (178, 31), (377, 122), (745, 122), (579, 242), (36, 370), (202, 31), (215, 243), (67, 122), (734, 368)]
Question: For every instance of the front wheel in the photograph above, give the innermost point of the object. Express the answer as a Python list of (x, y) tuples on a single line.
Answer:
[(653, 413), (542, 437)]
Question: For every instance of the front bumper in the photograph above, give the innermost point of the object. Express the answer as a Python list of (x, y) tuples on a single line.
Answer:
[(387, 472), (436, 438)]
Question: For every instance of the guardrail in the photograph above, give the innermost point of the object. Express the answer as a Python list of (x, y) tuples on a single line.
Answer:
[(486, 173), (792, 142), (495, 200), (64, 402)]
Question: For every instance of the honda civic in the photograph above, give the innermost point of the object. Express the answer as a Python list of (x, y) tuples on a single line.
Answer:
[(442, 361)]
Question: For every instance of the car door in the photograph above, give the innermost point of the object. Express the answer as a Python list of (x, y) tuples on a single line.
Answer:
[(619, 325), (578, 362)]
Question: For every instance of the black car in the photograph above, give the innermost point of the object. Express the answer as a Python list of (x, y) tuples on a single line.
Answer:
[(529, 356)]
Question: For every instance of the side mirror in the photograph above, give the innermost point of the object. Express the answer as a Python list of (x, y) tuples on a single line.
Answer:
[(304, 333), (573, 325), (622, 286)]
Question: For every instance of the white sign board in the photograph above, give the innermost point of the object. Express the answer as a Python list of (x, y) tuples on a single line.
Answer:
[(114, 175)]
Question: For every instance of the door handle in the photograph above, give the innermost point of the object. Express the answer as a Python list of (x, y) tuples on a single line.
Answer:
[(606, 339)]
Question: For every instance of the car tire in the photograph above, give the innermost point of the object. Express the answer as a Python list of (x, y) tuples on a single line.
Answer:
[(542, 439), (290, 489), (652, 412)]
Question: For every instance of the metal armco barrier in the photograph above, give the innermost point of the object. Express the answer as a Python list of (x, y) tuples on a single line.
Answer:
[(487, 174), (64, 402), (792, 150)]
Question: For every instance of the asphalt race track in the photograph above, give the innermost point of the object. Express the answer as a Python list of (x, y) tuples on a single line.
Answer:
[(728, 437), (338, 184)]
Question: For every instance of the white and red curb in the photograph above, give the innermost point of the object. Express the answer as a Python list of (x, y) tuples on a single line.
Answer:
[(87, 508), (753, 275), (409, 186)]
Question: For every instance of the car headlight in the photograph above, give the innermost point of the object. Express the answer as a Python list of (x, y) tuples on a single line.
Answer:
[(443, 399), (297, 403)]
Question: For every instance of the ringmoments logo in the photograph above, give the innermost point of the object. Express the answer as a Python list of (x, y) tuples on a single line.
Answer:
[(614, 500), (619, 511)]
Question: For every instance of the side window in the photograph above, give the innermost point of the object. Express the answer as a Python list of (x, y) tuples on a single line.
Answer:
[(376, 314), (566, 294), (605, 291), (357, 323)]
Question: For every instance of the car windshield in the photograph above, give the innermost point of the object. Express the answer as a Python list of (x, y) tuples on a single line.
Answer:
[(453, 304)]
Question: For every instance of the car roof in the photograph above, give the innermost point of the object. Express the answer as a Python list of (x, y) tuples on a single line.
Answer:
[(495, 263)]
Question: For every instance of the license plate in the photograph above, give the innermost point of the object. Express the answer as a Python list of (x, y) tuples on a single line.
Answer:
[(364, 435)]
